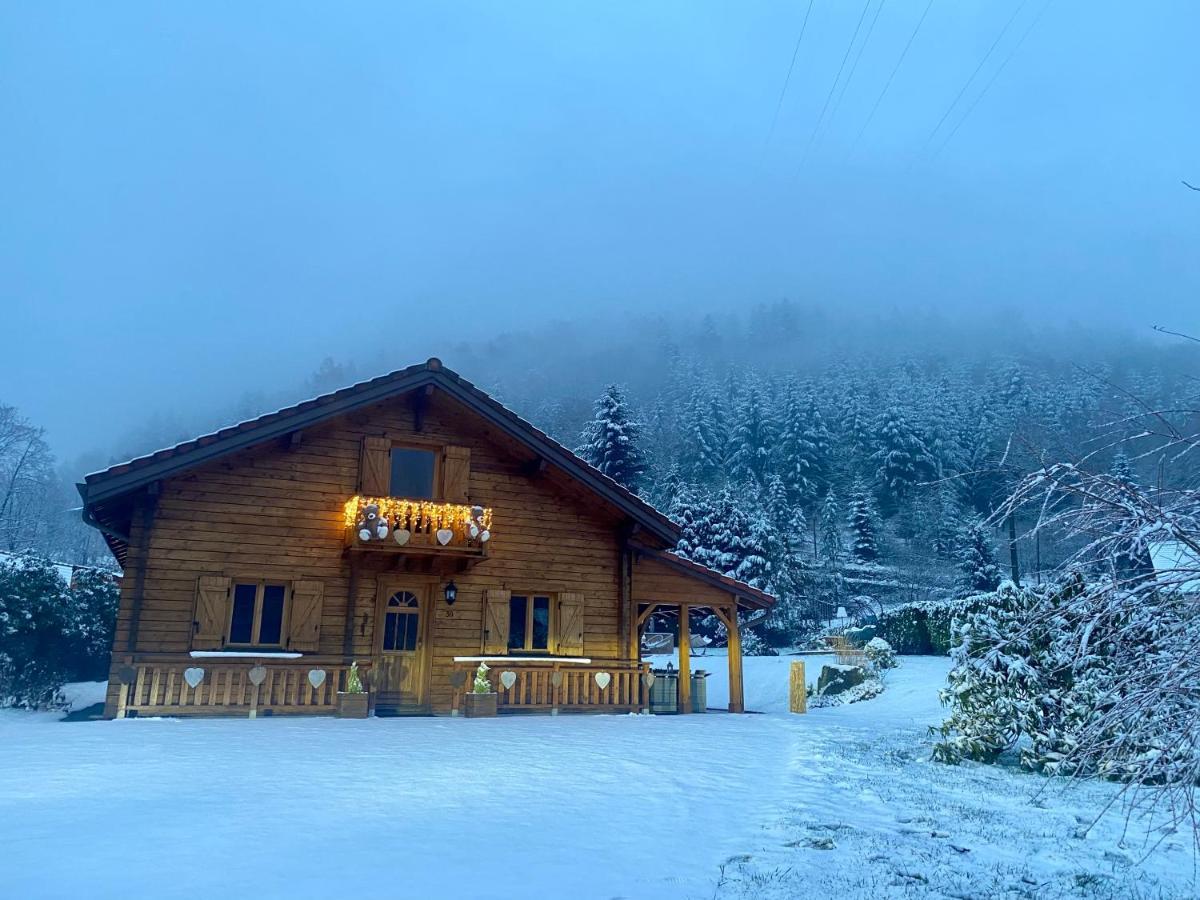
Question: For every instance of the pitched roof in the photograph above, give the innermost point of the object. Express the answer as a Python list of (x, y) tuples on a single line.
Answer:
[(104, 492), (121, 480)]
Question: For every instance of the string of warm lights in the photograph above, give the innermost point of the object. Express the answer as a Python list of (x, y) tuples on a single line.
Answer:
[(418, 515)]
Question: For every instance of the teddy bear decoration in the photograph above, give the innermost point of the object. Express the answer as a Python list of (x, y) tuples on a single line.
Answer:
[(371, 525), (476, 528)]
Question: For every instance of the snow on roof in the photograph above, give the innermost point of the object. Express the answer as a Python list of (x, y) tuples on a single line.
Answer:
[(1177, 564)]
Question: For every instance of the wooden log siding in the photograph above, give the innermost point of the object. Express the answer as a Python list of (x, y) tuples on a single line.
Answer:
[(273, 513)]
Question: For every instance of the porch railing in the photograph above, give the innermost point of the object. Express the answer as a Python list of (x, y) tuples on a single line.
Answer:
[(226, 687), (550, 686)]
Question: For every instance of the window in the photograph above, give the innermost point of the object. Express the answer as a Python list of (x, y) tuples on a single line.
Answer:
[(412, 473), (401, 622), (529, 622), (256, 615)]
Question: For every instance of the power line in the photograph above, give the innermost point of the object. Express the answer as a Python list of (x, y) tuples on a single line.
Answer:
[(896, 68), (832, 88), (788, 79), (992, 80), (978, 68), (837, 104)]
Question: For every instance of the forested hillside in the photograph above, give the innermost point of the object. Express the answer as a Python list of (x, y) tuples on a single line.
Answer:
[(838, 460)]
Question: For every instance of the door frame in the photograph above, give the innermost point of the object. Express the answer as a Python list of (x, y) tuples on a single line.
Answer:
[(423, 588)]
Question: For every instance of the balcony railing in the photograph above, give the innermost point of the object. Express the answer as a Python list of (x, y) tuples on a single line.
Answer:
[(254, 686), (400, 525), (550, 685)]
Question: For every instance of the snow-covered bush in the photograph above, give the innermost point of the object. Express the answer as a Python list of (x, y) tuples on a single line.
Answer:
[(880, 654), (51, 633), (754, 645), (354, 683)]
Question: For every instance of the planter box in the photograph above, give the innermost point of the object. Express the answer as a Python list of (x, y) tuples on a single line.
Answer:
[(352, 706), (480, 706)]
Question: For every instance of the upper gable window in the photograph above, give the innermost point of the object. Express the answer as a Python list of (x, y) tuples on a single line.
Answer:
[(412, 473)]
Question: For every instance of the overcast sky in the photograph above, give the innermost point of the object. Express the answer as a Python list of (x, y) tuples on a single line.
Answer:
[(196, 199)]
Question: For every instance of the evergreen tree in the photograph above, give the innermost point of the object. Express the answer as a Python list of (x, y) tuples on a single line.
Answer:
[(702, 446), (612, 440), (757, 547), (831, 530), (977, 564), (730, 529), (862, 525), (1122, 470), (753, 438), (803, 450), (900, 459)]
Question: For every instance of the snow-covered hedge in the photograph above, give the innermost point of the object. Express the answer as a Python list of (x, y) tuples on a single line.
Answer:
[(925, 628), (1050, 672), (52, 633)]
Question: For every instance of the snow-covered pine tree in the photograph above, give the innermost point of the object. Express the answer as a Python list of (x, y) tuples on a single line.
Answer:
[(977, 563), (803, 449), (753, 438), (1122, 470), (760, 543), (830, 530), (900, 459), (862, 525), (730, 529), (612, 441), (702, 444)]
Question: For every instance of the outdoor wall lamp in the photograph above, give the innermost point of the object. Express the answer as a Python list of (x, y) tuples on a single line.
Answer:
[(451, 591)]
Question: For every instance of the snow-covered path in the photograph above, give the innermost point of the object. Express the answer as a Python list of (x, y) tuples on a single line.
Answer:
[(587, 807)]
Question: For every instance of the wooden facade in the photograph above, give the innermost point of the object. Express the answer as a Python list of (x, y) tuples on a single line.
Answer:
[(248, 590)]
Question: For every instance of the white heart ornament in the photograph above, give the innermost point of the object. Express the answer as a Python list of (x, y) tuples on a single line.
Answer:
[(444, 536), (258, 675), (316, 677), (556, 679), (508, 679), (193, 676), (648, 679), (402, 535), (603, 680)]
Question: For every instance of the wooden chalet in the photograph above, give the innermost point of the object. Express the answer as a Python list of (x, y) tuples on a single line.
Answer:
[(248, 587)]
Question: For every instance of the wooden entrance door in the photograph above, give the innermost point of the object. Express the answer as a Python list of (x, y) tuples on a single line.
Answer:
[(401, 679)]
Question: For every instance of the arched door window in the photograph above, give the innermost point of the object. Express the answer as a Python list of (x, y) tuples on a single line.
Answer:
[(401, 622)]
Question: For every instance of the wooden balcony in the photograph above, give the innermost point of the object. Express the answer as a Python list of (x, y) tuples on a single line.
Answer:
[(423, 528), (554, 685)]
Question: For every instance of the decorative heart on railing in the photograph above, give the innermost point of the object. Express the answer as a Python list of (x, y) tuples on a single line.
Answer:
[(458, 679), (648, 680), (126, 674), (258, 675), (508, 679), (556, 679), (193, 676), (316, 677), (603, 679), (402, 536), (444, 536)]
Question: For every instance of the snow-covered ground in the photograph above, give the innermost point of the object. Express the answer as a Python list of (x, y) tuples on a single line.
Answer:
[(841, 802)]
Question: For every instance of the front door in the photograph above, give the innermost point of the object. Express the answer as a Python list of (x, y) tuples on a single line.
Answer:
[(400, 679)]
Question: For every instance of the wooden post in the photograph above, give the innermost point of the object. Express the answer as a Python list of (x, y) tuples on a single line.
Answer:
[(797, 688), (737, 702), (685, 660)]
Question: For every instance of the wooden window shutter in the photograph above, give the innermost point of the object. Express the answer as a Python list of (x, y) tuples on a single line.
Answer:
[(570, 623), (495, 621), (212, 612), (375, 467), (304, 619), (456, 473)]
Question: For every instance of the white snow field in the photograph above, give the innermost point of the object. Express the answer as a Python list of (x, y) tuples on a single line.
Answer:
[(841, 802)]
